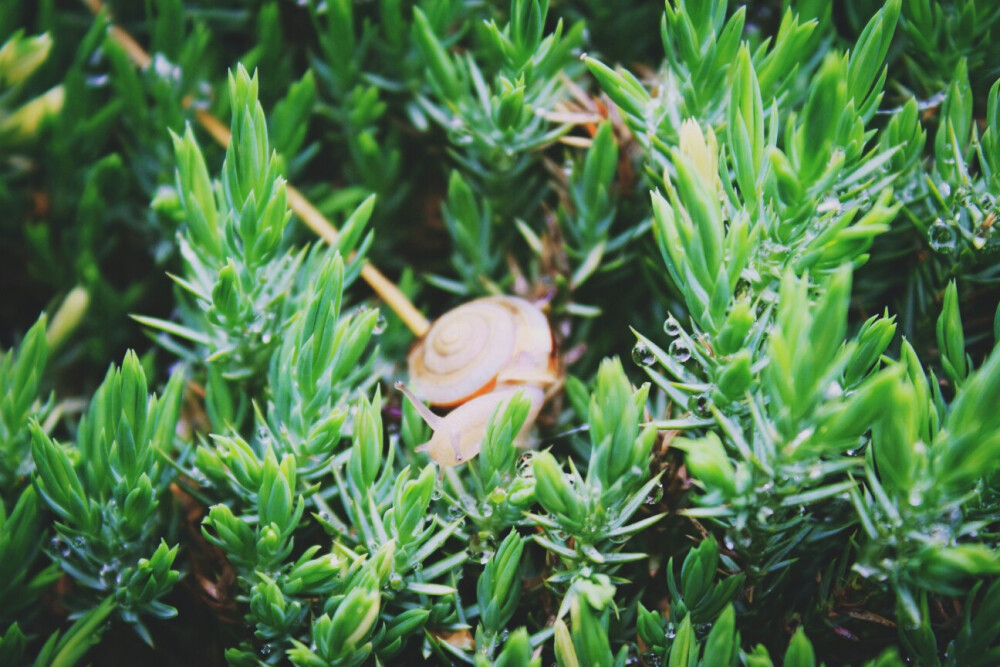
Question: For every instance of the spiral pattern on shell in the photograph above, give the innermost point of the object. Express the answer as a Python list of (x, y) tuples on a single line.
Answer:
[(473, 348)]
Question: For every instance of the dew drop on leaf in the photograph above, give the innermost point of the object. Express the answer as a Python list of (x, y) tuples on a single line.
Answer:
[(105, 574), (380, 325), (941, 237), (672, 327), (642, 355), (655, 495), (703, 405), (828, 205), (680, 351)]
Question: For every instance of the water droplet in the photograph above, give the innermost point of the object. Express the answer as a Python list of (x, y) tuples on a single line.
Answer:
[(655, 495), (773, 249), (506, 160), (941, 237), (59, 547), (380, 325), (104, 575), (980, 238), (486, 510), (266, 650), (828, 205), (483, 547), (97, 80), (498, 495), (703, 405), (672, 327), (652, 659), (642, 355), (437, 493), (742, 289), (454, 513), (396, 582), (680, 351), (464, 139), (945, 188), (963, 194), (940, 533), (166, 69)]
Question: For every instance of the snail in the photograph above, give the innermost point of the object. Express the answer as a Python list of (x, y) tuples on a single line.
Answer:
[(473, 359)]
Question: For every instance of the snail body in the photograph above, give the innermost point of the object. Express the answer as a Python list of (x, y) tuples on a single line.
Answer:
[(473, 359), (459, 434)]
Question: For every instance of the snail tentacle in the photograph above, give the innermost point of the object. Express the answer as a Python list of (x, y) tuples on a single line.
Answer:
[(433, 420)]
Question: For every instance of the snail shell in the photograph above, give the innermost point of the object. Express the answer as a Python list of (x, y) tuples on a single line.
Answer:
[(480, 346)]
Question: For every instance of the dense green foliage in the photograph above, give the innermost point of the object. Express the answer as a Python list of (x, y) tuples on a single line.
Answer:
[(782, 213)]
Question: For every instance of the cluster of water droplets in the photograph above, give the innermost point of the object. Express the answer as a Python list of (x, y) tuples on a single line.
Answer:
[(976, 212), (679, 350)]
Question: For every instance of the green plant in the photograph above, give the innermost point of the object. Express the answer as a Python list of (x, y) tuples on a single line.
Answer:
[(800, 468)]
